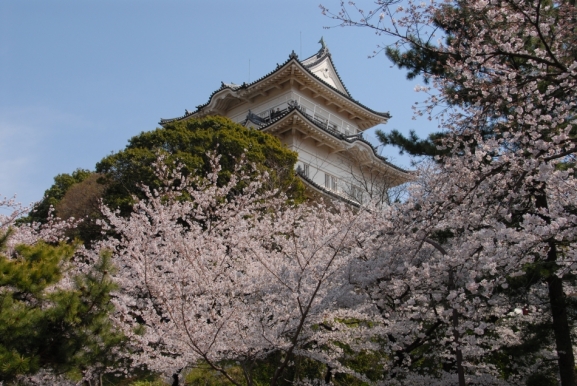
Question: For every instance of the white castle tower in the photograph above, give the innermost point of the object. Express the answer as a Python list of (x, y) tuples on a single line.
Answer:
[(307, 106)]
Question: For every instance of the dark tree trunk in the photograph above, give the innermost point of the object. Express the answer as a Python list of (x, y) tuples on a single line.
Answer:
[(328, 375), (561, 330), (456, 336)]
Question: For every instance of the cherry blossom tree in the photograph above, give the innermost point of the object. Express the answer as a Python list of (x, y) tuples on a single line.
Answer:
[(501, 202), (234, 273), (441, 288)]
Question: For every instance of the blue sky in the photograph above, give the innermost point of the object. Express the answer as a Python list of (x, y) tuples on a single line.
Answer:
[(79, 78)]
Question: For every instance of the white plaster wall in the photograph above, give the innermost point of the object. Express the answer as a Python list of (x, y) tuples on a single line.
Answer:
[(321, 162), (279, 99)]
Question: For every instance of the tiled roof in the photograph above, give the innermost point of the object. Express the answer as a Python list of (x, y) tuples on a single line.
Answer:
[(224, 86), (292, 56)]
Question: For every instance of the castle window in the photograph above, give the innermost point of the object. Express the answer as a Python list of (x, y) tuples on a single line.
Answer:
[(306, 170), (331, 182)]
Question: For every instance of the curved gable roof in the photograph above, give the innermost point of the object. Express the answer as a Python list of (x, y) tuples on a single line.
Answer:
[(323, 55)]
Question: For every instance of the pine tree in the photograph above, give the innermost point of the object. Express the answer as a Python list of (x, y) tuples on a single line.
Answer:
[(52, 316)]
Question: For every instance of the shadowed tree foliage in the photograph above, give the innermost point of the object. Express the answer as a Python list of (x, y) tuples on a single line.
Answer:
[(188, 143), (55, 193), (82, 201)]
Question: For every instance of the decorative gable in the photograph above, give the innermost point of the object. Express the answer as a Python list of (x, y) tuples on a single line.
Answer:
[(321, 65)]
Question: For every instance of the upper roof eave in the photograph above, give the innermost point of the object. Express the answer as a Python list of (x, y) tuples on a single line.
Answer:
[(293, 58)]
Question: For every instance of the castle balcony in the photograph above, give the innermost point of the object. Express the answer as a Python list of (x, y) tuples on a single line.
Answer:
[(321, 116)]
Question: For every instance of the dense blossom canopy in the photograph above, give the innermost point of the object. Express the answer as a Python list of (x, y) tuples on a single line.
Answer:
[(235, 276), (501, 199)]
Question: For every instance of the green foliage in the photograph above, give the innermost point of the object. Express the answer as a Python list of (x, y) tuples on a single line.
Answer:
[(421, 59), (428, 147), (149, 383), (120, 175), (188, 142), (55, 193), (45, 324), (205, 376), (412, 144), (260, 372), (368, 363)]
